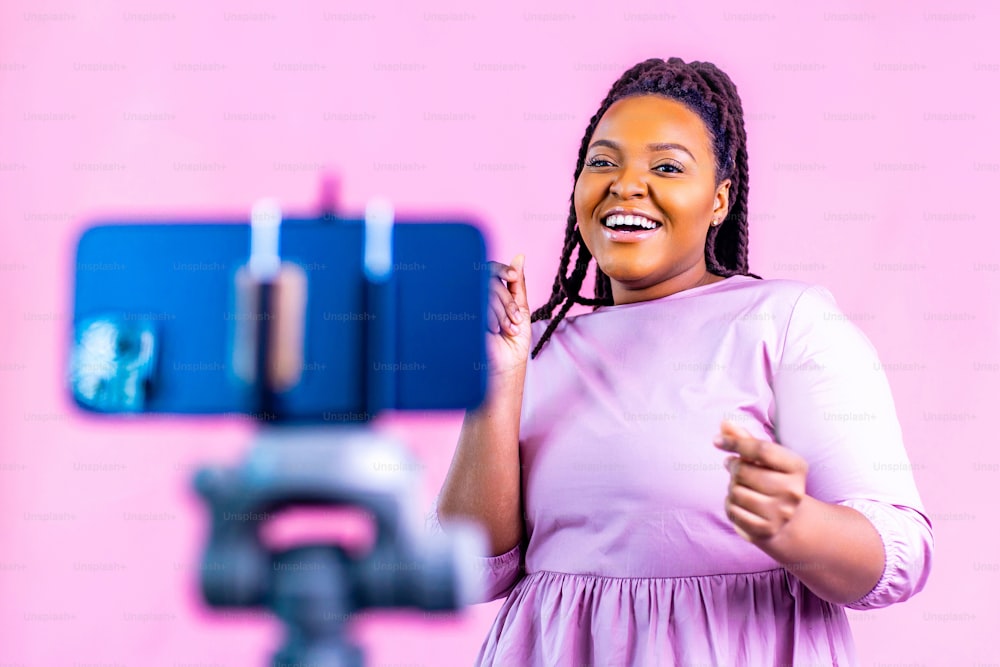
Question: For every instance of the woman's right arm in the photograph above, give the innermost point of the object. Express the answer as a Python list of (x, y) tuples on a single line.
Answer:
[(484, 481)]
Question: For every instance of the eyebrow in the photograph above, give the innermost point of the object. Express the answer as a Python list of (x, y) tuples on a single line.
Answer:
[(653, 148)]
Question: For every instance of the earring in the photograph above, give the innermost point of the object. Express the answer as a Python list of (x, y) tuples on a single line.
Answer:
[(715, 223)]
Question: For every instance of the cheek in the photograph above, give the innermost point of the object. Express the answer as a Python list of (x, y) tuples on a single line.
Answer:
[(586, 196), (578, 199), (583, 208), (693, 201)]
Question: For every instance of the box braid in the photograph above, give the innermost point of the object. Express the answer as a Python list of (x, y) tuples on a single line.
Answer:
[(711, 94)]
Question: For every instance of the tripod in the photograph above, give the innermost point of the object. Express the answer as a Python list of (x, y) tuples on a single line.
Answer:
[(316, 588)]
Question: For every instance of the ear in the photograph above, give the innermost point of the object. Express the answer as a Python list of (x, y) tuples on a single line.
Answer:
[(721, 209)]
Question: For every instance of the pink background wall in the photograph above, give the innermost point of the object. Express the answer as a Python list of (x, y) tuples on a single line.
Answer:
[(874, 165)]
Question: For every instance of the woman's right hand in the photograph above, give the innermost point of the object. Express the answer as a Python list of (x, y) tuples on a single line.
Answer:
[(508, 319)]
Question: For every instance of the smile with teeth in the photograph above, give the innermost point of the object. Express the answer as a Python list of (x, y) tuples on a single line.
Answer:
[(629, 222)]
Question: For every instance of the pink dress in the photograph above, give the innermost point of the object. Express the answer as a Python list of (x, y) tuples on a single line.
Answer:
[(628, 557)]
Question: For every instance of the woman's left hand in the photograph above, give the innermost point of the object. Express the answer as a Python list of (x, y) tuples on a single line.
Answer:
[(767, 484)]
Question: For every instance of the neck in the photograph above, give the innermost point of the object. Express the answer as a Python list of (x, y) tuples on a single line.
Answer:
[(623, 293)]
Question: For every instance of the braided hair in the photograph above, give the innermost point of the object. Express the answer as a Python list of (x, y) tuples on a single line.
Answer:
[(710, 93)]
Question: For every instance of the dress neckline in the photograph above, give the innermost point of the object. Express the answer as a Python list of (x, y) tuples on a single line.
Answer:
[(683, 294)]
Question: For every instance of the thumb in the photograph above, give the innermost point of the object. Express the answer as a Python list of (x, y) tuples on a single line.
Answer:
[(728, 426), (517, 288)]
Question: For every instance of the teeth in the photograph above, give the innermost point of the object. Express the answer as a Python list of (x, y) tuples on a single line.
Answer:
[(631, 220)]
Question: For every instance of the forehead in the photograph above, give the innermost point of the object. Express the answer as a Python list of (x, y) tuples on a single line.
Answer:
[(636, 121)]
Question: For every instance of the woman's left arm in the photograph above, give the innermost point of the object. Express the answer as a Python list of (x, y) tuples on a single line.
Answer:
[(833, 499)]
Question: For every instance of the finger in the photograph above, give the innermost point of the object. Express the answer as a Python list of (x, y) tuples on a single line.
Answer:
[(494, 319), (753, 502), (512, 309), (501, 273), (500, 322), (504, 273), (503, 306), (739, 441), (763, 480), (761, 452), (498, 270), (736, 520), (749, 526), (516, 285), (728, 426)]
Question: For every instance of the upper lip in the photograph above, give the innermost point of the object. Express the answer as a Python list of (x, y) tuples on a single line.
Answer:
[(628, 211)]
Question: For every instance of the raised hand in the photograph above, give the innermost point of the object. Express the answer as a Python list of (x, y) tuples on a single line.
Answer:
[(767, 484), (508, 318)]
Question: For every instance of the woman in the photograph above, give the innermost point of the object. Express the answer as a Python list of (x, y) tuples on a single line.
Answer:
[(641, 542)]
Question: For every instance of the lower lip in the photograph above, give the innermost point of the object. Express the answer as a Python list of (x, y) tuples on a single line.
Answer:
[(628, 237)]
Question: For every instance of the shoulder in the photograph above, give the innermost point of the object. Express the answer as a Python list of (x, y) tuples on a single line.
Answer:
[(787, 290), (779, 298), (802, 314), (798, 299)]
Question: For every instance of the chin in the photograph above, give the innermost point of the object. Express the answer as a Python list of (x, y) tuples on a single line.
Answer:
[(632, 276)]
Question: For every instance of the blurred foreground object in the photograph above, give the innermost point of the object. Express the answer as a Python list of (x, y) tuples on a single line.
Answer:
[(311, 326)]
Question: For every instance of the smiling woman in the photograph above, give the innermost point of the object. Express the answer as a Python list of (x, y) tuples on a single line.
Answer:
[(707, 469)]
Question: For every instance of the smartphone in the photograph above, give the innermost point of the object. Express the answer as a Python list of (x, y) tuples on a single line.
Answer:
[(168, 290)]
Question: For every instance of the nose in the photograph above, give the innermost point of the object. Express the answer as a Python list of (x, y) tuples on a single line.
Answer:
[(631, 182)]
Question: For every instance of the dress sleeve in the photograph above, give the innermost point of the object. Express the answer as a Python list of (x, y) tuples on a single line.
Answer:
[(834, 407), (497, 575)]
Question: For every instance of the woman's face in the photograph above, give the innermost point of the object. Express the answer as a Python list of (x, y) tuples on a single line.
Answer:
[(650, 155)]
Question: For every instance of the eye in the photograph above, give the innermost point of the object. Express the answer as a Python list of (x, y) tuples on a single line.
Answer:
[(594, 162), (674, 168)]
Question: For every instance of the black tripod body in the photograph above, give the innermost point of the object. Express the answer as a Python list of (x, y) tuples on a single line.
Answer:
[(315, 589)]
